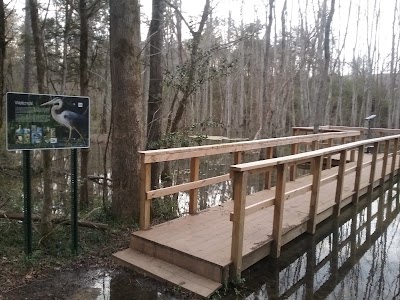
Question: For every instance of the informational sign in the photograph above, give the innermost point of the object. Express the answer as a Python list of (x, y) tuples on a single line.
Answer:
[(39, 121)]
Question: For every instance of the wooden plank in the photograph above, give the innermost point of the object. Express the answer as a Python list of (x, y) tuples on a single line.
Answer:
[(186, 186), (293, 169), (340, 180), (269, 152), (194, 176), (145, 185), (278, 210), (152, 156), (165, 271), (359, 167), (239, 182), (316, 174), (385, 161)]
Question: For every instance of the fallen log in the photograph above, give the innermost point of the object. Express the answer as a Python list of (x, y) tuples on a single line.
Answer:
[(62, 221)]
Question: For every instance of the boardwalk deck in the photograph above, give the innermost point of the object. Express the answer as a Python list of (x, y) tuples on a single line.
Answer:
[(199, 246)]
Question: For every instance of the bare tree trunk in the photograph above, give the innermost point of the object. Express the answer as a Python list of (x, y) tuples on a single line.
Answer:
[(84, 85), (354, 76), (46, 155), (2, 57), (154, 113), (27, 48), (228, 98), (267, 109), (189, 88), (324, 78), (393, 75), (128, 133), (68, 16)]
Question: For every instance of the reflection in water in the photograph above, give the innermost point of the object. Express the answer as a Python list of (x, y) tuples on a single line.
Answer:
[(355, 256)]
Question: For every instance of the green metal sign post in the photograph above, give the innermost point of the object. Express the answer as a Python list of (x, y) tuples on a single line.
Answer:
[(26, 169), (74, 201)]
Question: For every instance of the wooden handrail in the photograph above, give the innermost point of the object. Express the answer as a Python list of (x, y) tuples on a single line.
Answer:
[(264, 164), (240, 173), (153, 156), (195, 153)]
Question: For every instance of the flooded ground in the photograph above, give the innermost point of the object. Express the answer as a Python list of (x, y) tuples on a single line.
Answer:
[(355, 256)]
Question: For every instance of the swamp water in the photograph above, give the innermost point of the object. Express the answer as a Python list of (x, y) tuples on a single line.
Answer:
[(354, 256)]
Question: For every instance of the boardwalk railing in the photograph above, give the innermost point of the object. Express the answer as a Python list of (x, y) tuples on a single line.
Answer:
[(237, 149), (356, 237), (241, 172)]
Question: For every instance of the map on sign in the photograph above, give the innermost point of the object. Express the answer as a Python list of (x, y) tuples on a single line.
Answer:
[(39, 121)]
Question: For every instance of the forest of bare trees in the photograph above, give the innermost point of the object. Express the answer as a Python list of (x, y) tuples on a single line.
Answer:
[(157, 74)]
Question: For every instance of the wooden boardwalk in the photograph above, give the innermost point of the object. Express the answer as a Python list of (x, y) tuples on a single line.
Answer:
[(195, 252)]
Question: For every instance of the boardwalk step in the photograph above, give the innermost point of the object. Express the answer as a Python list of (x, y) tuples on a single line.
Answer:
[(165, 271), (179, 258)]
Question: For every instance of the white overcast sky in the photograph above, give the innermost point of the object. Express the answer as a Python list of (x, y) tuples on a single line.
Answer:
[(253, 9)]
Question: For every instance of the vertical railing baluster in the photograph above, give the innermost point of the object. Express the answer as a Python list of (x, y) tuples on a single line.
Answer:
[(340, 180), (194, 176), (239, 181), (269, 153), (353, 151), (373, 166), (293, 168), (145, 186), (360, 159), (329, 157), (278, 209), (394, 157), (385, 161), (316, 183)]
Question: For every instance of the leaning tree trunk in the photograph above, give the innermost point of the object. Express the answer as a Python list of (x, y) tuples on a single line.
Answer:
[(127, 113)]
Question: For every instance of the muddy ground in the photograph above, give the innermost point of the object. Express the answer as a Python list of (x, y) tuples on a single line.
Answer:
[(91, 282)]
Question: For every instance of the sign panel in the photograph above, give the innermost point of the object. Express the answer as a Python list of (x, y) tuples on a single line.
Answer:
[(38, 121)]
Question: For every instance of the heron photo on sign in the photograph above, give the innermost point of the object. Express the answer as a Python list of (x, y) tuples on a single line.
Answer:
[(42, 121)]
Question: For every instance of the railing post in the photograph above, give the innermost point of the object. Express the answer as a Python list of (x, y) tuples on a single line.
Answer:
[(316, 183), (239, 181), (237, 157), (329, 157), (293, 168), (194, 176), (269, 152), (360, 159), (394, 157), (373, 166), (353, 152), (340, 180), (278, 210), (385, 161), (145, 186), (314, 145)]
